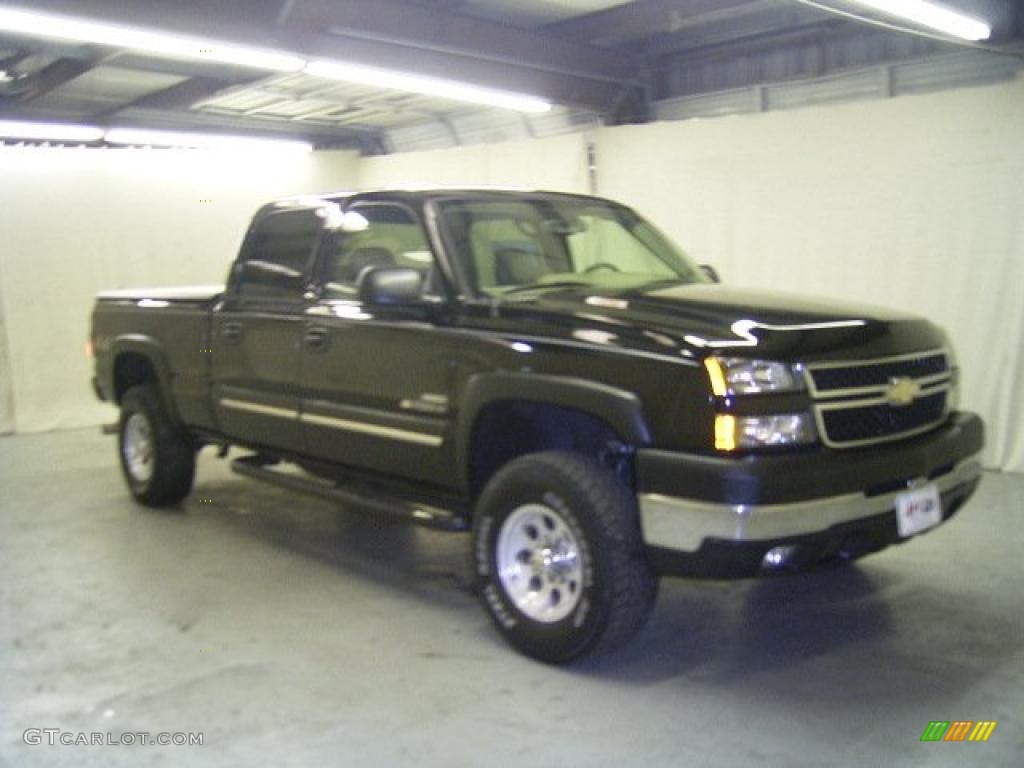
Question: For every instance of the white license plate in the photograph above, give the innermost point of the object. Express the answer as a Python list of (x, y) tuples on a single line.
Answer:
[(918, 510)]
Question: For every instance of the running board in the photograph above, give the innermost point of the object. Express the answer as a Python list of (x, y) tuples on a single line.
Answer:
[(258, 468)]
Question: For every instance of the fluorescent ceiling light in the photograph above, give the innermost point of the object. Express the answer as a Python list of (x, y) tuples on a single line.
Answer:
[(428, 86), (932, 15), (146, 138), (49, 131), (56, 27)]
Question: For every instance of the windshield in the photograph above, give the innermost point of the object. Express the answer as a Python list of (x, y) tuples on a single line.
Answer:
[(521, 245)]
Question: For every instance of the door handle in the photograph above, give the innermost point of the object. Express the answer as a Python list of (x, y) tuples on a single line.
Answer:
[(231, 331), (316, 338)]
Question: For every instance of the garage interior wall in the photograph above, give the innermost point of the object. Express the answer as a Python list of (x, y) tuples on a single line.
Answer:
[(76, 221), (6, 401), (914, 203), (558, 162)]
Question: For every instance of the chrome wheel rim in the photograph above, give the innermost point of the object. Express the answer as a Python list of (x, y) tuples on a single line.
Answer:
[(540, 563), (138, 448)]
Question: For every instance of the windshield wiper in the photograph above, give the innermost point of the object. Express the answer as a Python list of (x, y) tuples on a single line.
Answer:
[(663, 282), (543, 286)]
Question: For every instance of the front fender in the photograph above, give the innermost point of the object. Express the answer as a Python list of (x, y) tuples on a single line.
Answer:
[(620, 409)]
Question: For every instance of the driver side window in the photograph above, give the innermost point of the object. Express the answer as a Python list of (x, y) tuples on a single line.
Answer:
[(392, 238)]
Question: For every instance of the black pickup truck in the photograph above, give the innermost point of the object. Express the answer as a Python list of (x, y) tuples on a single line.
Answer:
[(551, 373)]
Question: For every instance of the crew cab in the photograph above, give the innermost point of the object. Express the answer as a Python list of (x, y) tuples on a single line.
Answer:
[(551, 373)]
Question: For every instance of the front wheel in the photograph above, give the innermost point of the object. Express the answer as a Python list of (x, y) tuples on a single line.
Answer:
[(559, 557), (157, 459)]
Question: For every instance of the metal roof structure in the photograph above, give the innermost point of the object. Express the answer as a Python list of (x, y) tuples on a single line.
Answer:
[(593, 60)]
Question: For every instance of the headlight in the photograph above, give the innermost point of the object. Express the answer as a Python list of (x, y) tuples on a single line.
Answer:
[(734, 433), (737, 376)]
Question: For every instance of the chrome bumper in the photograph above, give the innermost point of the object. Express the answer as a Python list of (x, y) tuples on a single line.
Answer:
[(683, 525)]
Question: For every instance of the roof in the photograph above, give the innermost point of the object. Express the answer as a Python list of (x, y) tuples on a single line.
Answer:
[(425, 193)]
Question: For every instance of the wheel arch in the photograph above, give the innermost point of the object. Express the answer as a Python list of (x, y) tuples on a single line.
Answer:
[(136, 360), (537, 413)]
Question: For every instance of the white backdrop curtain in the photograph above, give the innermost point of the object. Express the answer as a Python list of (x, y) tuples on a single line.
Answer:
[(76, 221)]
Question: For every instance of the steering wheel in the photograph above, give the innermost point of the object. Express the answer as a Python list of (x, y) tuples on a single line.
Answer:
[(601, 265)]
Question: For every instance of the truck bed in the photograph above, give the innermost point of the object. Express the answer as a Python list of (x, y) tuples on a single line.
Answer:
[(176, 323), (198, 294)]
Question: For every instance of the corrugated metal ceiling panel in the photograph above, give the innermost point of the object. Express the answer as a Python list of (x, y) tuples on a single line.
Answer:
[(107, 86)]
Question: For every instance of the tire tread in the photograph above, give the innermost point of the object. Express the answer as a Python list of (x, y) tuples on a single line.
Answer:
[(611, 507), (174, 453)]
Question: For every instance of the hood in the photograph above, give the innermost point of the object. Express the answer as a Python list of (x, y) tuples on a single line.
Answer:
[(700, 319)]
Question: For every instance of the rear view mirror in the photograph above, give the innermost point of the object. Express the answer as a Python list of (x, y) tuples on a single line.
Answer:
[(390, 285), (711, 273), (565, 227)]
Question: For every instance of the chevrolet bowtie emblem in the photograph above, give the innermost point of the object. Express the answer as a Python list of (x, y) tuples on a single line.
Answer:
[(902, 391)]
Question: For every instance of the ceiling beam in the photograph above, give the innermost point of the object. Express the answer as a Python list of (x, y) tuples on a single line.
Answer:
[(50, 78), (183, 95), (397, 35), (335, 136), (405, 24), (641, 18), (585, 93), (795, 40), (758, 23)]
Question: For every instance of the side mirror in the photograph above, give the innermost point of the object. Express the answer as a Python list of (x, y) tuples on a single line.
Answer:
[(711, 273), (390, 285)]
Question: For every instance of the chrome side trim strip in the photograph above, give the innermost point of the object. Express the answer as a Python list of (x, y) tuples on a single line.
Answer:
[(683, 524), (263, 410), (405, 435)]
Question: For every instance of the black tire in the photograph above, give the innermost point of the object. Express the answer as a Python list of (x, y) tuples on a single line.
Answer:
[(550, 605), (158, 459)]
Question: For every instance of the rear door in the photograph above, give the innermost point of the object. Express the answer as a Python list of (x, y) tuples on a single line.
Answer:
[(257, 332), (376, 378)]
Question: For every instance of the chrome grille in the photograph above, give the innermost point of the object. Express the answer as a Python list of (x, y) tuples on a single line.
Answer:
[(859, 403), (869, 423), (878, 374)]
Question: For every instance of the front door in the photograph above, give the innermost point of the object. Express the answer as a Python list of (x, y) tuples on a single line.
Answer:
[(376, 378)]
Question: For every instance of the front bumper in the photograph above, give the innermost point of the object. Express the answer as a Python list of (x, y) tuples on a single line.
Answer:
[(719, 517)]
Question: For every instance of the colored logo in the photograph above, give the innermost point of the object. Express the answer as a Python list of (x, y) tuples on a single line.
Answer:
[(902, 391), (958, 730)]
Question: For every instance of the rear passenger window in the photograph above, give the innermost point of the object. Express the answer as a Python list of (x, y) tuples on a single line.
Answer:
[(278, 255)]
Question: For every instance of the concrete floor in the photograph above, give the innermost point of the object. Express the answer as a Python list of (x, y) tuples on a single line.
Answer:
[(288, 632)]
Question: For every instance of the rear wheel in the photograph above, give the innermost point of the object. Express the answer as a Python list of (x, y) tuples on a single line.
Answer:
[(559, 557), (157, 459)]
